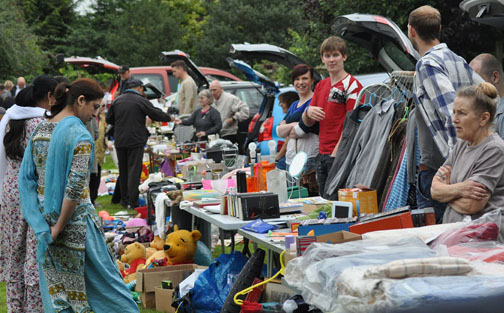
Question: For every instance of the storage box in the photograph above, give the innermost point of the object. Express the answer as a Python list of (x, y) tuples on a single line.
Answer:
[(164, 300), (397, 221), (364, 199), (149, 279)]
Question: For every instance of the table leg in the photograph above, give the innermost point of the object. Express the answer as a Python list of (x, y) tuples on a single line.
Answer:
[(233, 233), (221, 233), (269, 264), (246, 250)]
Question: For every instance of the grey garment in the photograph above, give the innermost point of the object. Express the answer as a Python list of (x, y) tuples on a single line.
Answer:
[(429, 152), (369, 142), (339, 172), (228, 106), (411, 145), (484, 164), (92, 127), (499, 118)]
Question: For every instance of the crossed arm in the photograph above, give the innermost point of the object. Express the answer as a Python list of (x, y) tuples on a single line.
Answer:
[(467, 197)]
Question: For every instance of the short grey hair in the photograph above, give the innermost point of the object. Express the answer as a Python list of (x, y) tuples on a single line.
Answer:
[(206, 93)]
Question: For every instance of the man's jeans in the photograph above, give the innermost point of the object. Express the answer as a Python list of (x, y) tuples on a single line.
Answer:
[(424, 198), (325, 162)]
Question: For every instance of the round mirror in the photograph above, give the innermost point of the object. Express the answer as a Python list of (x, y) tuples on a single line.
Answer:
[(298, 163)]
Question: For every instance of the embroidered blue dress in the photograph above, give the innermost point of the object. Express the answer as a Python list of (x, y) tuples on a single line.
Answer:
[(77, 272)]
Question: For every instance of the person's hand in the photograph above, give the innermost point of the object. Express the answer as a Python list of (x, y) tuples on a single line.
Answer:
[(110, 146), (315, 113), (177, 121), (200, 134), (472, 190), (444, 174), (55, 231), (148, 121), (229, 121), (283, 122)]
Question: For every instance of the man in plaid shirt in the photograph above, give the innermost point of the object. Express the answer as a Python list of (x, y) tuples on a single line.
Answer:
[(439, 73)]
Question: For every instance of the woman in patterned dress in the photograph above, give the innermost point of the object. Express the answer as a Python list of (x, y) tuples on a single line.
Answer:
[(77, 272), (18, 263)]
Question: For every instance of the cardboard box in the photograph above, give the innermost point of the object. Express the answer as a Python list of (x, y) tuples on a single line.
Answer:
[(396, 221), (364, 199), (164, 300), (149, 279), (338, 237), (148, 300)]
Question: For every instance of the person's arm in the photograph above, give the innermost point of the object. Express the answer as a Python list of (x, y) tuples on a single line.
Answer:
[(155, 114), (190, 120), (313, 113), (240, 110), (282, 151), (283, 130), (216, 121), (440, 92), (470, 206), (76, 184)]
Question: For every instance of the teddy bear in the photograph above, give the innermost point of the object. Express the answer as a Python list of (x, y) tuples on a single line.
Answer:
[(134, 255), (155, 246), (179, 247)]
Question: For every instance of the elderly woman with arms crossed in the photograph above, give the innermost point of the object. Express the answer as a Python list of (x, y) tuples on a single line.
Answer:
[(471, 180)]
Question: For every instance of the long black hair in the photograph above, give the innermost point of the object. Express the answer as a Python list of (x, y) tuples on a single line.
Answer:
[(27, 97)]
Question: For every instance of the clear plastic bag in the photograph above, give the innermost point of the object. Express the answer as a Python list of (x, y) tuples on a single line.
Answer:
[(316, 272), (485, 228)]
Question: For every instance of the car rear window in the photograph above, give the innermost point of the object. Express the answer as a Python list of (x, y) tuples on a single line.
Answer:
[(252, 97), (155, 79)]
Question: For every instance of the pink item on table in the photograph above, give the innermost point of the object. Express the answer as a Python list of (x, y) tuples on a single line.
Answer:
[(207, 183), (136, 222)]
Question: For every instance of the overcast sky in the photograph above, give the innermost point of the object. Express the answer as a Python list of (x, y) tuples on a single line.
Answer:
[(84, 6)]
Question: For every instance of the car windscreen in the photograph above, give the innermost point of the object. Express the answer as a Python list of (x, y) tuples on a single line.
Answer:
[(155, 79)]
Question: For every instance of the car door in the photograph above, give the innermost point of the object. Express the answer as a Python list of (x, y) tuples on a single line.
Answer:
[(192, 69), (489, 12), (381, 37)]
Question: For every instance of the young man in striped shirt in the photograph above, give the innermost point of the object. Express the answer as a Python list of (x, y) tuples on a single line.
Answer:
[(332, 99)]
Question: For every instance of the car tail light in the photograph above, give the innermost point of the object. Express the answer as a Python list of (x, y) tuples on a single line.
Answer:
[(266, 130), (253, 122)]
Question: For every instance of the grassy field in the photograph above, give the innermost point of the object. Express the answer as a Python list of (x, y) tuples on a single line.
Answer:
[(104, 202)]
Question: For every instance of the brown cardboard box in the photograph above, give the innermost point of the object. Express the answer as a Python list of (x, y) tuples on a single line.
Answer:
[(338, 237), (148, 300), (368, 201), (164, 300), (149, 279)]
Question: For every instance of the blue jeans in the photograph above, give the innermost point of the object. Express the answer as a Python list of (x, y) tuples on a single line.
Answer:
[(423, 193), (325, 162)]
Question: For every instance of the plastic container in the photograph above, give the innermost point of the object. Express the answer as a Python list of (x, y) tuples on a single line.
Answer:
[(430, 216), (143, 211)]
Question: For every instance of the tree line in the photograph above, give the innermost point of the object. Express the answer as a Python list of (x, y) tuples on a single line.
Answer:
[(134, 32)]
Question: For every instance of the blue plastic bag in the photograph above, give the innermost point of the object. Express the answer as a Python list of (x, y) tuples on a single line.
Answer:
[(259, 226), (213, 285)]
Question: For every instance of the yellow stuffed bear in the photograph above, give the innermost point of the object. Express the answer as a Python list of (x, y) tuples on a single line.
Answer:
[(134, 255), (155, 246), (179, 247)]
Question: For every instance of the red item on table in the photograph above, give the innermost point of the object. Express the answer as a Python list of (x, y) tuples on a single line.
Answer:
[(470, 233)]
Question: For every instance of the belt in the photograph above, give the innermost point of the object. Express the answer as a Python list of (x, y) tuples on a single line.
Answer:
[(423, 167)]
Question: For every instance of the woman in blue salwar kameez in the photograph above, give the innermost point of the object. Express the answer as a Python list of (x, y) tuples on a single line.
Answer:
[(77, 271)]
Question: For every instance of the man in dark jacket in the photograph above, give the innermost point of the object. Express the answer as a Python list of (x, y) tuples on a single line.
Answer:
[(127, 115)]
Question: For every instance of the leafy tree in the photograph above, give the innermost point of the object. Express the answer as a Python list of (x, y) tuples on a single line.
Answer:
[(238, 21), (19, 49)]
